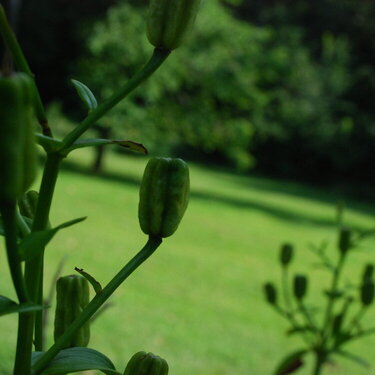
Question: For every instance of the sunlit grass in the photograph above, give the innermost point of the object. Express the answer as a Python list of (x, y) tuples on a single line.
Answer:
[(198, 301)]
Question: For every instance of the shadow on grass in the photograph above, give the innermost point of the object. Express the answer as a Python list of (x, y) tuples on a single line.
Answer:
[(257, 183)]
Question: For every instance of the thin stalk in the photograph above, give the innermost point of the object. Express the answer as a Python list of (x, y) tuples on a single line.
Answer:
[(34, 267), (8, 213), (153, 64), (318, 365), (331, 302), (151, 245), (14, 47), (285, 278)]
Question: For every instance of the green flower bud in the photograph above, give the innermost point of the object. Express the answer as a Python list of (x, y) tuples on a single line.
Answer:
[(169, 21), (367, 293), (270, 293), (17, 140), (286, 254), (72, 296), (164, 195), (300, 286), (368, 273), (143, 363), (344, 243)]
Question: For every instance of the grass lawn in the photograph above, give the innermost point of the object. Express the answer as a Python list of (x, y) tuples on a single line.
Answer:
[(198, 301)]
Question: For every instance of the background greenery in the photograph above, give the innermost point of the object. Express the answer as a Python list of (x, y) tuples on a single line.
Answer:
[(285, 87), (198, 301)]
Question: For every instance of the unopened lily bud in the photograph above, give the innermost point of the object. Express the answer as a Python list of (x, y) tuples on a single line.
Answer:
[(344, 243), (270, 293), (169, 21), (367, 293), (300, 286), (143, 363), (286, 254), (72, 296), (163, 196), (17, 140)]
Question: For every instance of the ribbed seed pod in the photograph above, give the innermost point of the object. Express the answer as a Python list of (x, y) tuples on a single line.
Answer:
[(169, 21), (286, 254), (164, 196), (300, 286), (143, 363), (72, 296), (17, 140)]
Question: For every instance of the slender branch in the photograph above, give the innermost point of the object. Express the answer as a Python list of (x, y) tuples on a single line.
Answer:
[(14, 47), (331, 302), (8, 213), (154, 63), (151, 245), (34, 267)]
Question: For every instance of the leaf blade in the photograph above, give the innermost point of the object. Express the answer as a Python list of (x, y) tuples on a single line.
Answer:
[(77, 359), (85, 94), (7, 306), (33, 245)]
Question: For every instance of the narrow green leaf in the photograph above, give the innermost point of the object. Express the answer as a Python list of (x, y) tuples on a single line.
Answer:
[(306, 328), (49, 144), (32, 245), (95, 284), (292, 363), (85, 94), (7, 306), (353, 357), (77, 359), (133, 146)]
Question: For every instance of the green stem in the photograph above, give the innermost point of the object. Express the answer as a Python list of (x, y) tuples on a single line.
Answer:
[(151, 245), (34, 267), (22, 64), (23, 356), (332, 298), (154, 63), (8, 213), (319, 362)]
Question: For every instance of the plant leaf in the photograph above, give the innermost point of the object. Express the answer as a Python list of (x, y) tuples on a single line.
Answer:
[(49, 144), (7, 306), (353, 357), (85, 94), (305, 328), (77, 359), (95, 284), (32, 245), (292, 363), (134, 146)]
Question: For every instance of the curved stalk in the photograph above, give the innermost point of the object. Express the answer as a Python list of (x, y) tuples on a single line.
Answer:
[(154, 63)]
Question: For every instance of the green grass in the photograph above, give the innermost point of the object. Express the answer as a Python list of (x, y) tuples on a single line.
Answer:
[(198, 301)]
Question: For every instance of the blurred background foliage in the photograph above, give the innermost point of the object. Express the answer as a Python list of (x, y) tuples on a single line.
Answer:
[(280, 87)]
